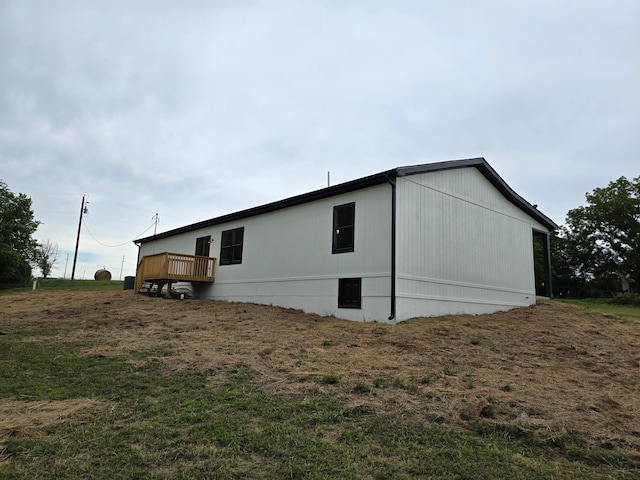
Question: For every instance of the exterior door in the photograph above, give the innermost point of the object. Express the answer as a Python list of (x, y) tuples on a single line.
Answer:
[(202, 245)]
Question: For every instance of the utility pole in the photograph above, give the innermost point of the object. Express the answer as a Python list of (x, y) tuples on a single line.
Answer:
[(121, 267), (156, 220), (75, 255)]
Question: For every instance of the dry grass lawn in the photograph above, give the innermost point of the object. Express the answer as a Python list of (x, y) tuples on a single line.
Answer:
[(551, 369)]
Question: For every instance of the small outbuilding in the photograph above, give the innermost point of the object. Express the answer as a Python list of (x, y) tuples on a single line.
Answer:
[(424, 240)]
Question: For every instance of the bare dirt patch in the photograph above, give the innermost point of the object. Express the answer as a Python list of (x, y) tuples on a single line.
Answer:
[(550, 369)]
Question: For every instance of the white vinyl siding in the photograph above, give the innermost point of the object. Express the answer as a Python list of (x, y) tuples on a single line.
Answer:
[(287, 257), (462, 247)]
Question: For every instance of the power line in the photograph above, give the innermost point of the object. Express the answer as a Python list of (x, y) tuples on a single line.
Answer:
[(115, 220), (98, 196), (102, 199), (120, 245)]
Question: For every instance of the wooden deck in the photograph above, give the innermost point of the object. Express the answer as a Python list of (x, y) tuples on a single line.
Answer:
[(167, 268)]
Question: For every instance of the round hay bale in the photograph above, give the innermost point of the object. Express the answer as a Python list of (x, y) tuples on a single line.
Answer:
[(102, 274)]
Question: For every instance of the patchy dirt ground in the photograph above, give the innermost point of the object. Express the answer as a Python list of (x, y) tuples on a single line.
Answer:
[(550, 369)]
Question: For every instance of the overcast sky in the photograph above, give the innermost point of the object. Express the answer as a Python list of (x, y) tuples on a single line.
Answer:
[(195, 109)]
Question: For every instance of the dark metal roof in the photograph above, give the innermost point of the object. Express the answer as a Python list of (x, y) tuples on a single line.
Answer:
[(365, 182)]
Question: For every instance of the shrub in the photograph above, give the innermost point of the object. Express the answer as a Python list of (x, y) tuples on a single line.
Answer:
[(632, 299)]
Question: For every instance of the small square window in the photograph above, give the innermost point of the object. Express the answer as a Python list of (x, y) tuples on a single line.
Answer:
[(350, 293), (344, 228), (231, 246)]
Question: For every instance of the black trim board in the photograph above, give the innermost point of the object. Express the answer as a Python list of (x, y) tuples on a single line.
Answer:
[(365, 182)]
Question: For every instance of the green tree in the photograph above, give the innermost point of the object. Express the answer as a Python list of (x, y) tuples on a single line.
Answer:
[(567, 277), (599, 245), (17, 226), (14, 270)]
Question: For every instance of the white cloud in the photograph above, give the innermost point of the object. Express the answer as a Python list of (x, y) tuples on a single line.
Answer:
[(197, 109)]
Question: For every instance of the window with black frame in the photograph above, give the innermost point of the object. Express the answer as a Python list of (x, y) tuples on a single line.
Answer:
[(344, 228), (350, 293), (231, 246)]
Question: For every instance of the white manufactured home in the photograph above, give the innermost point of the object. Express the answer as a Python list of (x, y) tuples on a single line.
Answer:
[(425, 240)]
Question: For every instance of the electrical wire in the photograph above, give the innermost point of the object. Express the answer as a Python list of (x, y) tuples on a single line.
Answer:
[(93, 215), (84, 224)]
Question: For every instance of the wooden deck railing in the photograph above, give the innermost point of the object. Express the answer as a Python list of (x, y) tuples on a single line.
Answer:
[(174, 267)]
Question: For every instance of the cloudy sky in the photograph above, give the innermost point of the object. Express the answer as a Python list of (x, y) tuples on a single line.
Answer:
[(194, 109)]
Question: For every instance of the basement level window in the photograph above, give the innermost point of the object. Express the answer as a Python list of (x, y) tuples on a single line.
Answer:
[(349, 293), (343, 228), (231, 246)]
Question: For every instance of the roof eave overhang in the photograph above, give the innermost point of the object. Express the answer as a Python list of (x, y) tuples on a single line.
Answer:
[(366, 182), (339, 189)]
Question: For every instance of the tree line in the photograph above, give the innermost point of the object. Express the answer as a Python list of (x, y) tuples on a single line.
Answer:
[(595, 253), (19, 251)]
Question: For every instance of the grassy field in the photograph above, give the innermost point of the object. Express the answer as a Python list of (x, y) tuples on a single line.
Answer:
[(69, 285), (71, 408), (606, 308), (151, 423), (80, 285)]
